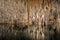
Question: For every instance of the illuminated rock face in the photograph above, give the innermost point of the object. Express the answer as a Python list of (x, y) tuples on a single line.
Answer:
[(39, 19), (12, 10)]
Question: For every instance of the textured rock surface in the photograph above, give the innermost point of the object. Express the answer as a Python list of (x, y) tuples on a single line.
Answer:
[(30, 19)]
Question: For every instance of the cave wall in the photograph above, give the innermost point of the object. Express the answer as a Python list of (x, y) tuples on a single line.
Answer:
[(40, 13)]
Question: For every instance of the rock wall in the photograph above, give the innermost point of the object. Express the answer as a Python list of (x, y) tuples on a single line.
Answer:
[(30, 19)]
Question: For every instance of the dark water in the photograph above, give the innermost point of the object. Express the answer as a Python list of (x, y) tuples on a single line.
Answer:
[(19, 33), (13, 33)]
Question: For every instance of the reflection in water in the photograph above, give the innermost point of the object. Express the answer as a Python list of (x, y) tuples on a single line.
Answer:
[(21, 33)]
